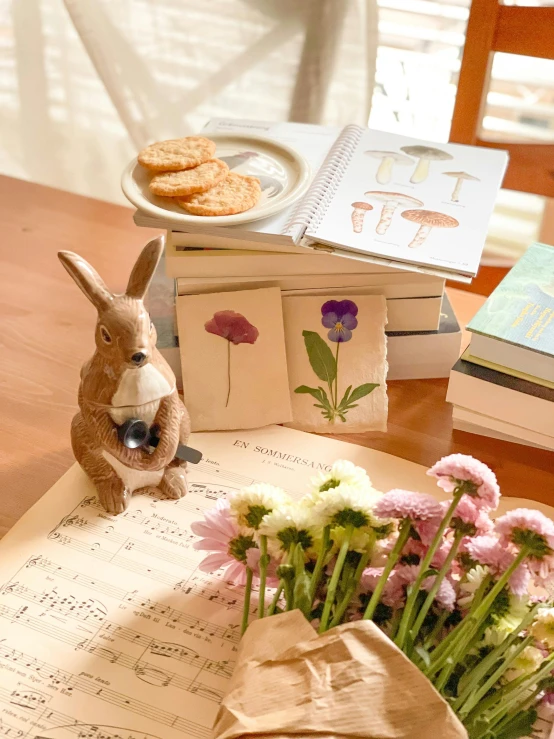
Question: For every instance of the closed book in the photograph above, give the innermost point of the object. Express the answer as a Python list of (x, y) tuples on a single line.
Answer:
[(472, 422), (427, 354), (501, 396), (515, 327)]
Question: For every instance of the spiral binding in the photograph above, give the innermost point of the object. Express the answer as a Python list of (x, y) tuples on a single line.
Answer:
[(313, 206)]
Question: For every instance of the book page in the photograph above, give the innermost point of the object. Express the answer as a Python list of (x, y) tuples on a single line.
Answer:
[(414, 201), (107, 628)]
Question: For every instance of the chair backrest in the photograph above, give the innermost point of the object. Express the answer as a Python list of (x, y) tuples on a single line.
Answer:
[(170, 65), (494, 27)]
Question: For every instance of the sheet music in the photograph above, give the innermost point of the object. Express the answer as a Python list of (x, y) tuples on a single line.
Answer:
[(107, 628)]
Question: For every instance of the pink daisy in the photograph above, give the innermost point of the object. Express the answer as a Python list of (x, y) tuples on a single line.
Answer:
[(253, 555), (404, 504), (488, 551), (519, 581), (221, 536), (427, 529), (478, 480), (527, 527)]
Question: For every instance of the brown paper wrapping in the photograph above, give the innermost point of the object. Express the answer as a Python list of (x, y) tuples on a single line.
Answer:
[(349, 682)]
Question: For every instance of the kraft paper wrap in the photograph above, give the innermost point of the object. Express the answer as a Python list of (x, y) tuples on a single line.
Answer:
[(349, 682)]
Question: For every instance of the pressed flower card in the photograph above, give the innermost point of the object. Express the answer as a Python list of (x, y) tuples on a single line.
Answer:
[(336, 355), (233, 358)]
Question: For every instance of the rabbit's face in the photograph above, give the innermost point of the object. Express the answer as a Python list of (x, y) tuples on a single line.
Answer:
[(125, 335)]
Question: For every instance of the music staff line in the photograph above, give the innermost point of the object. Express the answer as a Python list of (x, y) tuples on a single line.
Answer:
[(174, 615), (124, 542), (119, 700), (81, 612), (143, 670), (147, 522)]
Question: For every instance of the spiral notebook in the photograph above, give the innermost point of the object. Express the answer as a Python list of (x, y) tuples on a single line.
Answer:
[(378, 197), (388, 197)]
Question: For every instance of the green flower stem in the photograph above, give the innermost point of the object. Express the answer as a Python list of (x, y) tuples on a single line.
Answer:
[(451, 639), (424, 566), (332, 589), (472, 679), (445, 569), (437, 628), (246, 606), (336, 400), (462, 648), (471, 623), (513, 701), (264, 561), (494, 677), (343, 605), (273, 604), (228, 373), (320, 562), (493, 699), (289, 595), (403, 534)]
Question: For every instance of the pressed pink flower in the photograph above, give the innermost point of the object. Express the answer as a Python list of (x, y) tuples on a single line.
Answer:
[(221, 536), (232, 326), (478, 480), (527, 527), (404, 504)]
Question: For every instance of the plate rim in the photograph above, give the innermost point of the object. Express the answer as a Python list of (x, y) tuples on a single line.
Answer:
[(140, 202)]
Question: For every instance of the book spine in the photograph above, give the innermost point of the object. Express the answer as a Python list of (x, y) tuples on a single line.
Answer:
[(313, 205)]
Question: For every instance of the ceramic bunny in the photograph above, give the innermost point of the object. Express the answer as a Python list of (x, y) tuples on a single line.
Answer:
[(126, 378)]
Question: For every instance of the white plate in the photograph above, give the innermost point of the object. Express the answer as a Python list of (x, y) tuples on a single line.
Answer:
[(284, 175)]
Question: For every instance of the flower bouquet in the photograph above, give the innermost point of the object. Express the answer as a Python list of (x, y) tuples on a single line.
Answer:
[(393, 615)]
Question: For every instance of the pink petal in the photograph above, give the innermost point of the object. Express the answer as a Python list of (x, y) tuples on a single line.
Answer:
[(236, 573), (213, 562), (211, 545)]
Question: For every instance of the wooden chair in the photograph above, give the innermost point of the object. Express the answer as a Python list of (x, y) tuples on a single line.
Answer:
[(527, 31)]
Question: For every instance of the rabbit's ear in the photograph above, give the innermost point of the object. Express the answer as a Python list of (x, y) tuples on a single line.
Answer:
[(87, 278), (144, 268)]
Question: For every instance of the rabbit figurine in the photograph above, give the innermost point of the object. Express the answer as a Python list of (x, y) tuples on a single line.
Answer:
[(126, 377)]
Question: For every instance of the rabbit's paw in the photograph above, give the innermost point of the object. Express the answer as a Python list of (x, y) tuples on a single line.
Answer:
[(174, 482), (113, 495)]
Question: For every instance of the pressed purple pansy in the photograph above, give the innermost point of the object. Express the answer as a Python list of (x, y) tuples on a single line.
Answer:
[(339, 316)]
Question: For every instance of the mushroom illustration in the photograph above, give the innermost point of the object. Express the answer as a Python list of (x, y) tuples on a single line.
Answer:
[(460, 177), (425, 154), (388, 159), (427, 220), (391, 201), (360, 209)]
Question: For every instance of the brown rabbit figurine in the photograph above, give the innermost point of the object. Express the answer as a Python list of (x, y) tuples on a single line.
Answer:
[(126, 377)]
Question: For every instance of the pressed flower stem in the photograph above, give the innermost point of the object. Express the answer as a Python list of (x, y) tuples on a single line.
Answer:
[(318, 569), (263, 574), (410, 602), (336, 376), (445, 569), (273, 604), (403, 534), (343, 605), (496, 675), (228, 372), (472, 679), (246, 606), (332, 589)]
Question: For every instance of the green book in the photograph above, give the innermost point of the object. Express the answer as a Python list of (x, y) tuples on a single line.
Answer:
[(515, 326)]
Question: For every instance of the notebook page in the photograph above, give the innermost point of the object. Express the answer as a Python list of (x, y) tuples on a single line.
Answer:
[(429, 205)]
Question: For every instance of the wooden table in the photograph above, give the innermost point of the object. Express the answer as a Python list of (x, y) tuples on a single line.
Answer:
[(47, 333)]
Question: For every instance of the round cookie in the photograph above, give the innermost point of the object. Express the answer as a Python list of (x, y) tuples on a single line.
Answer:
[(235, 194), (189, 181), (177, 154)]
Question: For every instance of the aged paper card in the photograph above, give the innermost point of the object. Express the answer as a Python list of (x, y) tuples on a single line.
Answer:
[(336, 354), (233, 357)]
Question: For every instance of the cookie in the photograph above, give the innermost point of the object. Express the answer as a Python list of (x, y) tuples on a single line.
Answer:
[(189, 181), (235, 194), (177, 154)]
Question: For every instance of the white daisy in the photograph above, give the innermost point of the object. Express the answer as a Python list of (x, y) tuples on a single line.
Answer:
[(288, 525), (342, 471), (543, 627), (360, 540), (348, 504), (252, 503), (527, 662), (471, 585)]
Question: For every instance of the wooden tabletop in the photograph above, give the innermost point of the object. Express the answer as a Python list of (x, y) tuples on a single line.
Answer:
[(47, 333)]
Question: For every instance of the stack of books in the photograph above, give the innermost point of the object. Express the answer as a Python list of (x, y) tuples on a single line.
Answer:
[(423, 229), (503, 385)]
